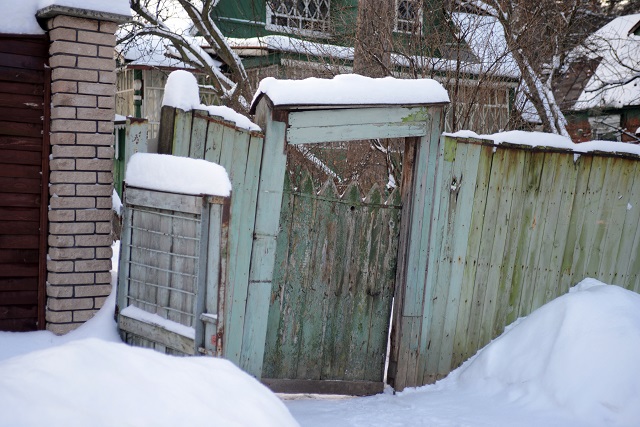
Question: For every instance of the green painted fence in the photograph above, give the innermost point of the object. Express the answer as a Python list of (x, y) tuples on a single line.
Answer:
[(198, 135), (513, 228), (332, 287)]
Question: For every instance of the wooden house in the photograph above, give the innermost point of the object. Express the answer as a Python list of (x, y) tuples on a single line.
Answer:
[(599, 93), (315, 38), (143, 66)]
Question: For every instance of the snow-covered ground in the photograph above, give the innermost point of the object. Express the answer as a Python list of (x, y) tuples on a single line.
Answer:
[(571, 363)]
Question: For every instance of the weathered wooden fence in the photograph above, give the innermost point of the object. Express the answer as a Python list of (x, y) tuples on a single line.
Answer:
[(198, 135), (332, 288), (514, 227), (173, 266)]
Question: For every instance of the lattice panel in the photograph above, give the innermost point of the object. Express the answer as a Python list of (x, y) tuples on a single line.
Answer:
[(304, 16)]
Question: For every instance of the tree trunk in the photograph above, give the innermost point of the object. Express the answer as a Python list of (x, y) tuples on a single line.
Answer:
[(374, 33)]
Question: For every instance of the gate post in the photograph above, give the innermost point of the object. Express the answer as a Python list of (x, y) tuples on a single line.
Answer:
[(245, 344), (420, 169)]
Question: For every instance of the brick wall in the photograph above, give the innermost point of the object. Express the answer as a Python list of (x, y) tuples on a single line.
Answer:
[(81, 181)]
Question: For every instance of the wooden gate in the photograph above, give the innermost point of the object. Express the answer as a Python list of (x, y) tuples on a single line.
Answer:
[(24, 154), (332, 289)]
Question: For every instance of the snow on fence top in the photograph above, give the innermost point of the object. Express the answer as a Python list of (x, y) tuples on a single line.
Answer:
[(19, 17), (351, 89), (181, 91), (549, 140), (177, 175)]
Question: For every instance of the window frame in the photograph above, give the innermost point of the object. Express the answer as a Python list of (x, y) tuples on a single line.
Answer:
[(271, 13)]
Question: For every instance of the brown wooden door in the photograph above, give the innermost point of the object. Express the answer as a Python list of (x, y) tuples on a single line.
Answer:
[(24, 121)]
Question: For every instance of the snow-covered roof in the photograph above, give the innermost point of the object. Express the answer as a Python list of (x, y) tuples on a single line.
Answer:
[(485, 37), (616, 81), (19, 17), (483, 34), (151, 51), (351, 89)]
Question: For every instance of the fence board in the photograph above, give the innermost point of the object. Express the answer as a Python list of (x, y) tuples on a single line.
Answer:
[(538, 222)]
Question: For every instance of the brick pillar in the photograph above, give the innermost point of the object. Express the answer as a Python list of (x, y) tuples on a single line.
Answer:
[(81, 181)]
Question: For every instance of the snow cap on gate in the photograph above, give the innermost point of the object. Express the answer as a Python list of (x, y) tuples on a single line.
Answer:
[(174, 174), (352, 90)]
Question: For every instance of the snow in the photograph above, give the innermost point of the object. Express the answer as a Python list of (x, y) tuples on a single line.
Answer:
[(19, 17), (351, 89), (549, 140), (573, 362), (90, 378), (175, 174), (614, 84), (181, 91), (116, 203), (101, 326), (485, 36), (149, 50), (482, 27), (154, 319)]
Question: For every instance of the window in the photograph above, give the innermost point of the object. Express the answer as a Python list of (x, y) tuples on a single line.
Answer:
[(306, 17), (408, 17)]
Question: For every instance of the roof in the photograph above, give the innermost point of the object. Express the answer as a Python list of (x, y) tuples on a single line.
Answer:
[(483, 34), (615, 83)]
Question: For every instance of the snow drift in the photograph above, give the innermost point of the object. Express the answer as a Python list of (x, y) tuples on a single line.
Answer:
[(96, 383), (571, 363), (579, 352)]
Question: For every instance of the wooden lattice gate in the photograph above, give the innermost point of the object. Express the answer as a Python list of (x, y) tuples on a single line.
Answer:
[(332, 289)]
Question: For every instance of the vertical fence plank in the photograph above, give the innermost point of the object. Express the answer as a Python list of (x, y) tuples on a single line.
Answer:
[(182, 133), (267, 219), (462, 348), (630, 231), (315, 306), (578, 213), (591, 206), (504, 306), (462, 197), (382, 285), (198, 135), (279, 296)]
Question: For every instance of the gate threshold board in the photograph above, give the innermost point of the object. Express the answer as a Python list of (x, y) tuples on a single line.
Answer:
[(351, 388)]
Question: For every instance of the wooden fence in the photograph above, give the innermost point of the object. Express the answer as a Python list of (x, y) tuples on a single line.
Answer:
[(25, 83), (197, 135), (332, 288), (515, 227)]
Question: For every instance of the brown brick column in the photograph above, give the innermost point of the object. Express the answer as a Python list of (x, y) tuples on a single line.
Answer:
[(81, 181)]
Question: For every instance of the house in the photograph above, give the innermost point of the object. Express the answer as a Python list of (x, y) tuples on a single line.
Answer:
[(315, 38), (600, 91), (143, 65), (57, 86)]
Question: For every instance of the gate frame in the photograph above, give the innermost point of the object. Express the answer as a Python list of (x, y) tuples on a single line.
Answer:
[(421, 125)]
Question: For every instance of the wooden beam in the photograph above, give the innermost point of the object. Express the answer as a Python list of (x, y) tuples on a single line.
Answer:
[(351, 388)]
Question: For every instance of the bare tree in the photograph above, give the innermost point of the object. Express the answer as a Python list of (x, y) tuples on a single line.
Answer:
[(152, 17)]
